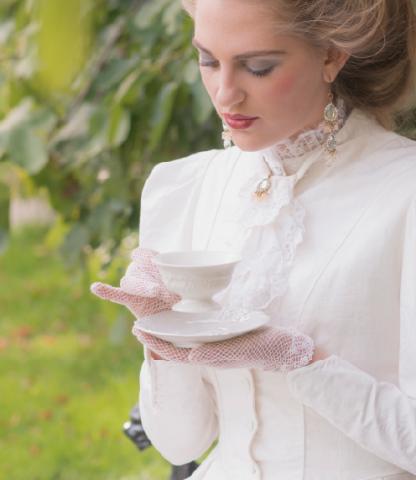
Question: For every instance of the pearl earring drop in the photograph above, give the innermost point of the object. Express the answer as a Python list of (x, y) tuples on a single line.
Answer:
[(331, 116), (226, 136)]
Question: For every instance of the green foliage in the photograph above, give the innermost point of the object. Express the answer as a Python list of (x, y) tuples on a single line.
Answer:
[(135, 100), (93, 93), (61, 53)]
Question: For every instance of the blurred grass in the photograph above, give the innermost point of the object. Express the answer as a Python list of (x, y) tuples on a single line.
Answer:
[(68, 375)]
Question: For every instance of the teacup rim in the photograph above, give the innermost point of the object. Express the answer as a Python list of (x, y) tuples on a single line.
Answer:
[(235, 258)]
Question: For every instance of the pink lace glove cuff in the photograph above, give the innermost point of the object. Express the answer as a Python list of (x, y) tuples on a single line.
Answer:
[(271, 349), (141, 288)]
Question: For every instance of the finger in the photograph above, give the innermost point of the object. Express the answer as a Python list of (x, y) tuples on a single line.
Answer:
[(142, 265), (295, 348), (164, 349), (168, 297), (137, 269), (112, 294), (212, 356), (136, 285), (149, 281), (146, 338), (143, 256)]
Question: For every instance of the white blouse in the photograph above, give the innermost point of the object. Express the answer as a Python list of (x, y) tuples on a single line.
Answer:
[(351, 287)]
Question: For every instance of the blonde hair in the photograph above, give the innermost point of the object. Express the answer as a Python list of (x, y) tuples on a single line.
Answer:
[(379, 35)]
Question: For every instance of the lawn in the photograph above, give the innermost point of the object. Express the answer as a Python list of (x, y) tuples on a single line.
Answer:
[(68, 375)]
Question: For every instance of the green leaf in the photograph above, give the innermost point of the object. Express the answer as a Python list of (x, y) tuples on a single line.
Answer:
[(127, 86), (119, 126), (97, 135), (148, 13), (170, 17), (77, 124), (17, 116), (114, 72), (27, 150), (62, 41), (42, 122), (4, 216), (162, 113)]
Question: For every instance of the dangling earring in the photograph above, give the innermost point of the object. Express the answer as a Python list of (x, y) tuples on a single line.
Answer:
[(226, 136), (331, 116)]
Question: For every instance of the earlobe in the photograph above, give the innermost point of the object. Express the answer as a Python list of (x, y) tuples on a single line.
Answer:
[(334, 63), (330, 73), (328, 78)]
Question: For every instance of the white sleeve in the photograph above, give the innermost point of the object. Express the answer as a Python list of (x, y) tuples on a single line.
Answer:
[(177, 410), (176, 404), (379, 416), (169, 202)]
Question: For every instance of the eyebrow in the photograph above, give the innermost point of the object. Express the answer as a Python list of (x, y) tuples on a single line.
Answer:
[(255, 53)]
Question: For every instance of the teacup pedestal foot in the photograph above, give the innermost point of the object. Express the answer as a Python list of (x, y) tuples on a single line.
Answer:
[(195, 306)]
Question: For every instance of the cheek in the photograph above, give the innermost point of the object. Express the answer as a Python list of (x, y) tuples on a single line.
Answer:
[(286, 84), (290, 88), (283, 87)]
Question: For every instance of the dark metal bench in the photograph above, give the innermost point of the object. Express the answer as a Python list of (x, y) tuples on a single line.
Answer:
[(134, 431)]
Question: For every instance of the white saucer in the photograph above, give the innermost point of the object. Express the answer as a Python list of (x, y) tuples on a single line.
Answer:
[(188, 330)]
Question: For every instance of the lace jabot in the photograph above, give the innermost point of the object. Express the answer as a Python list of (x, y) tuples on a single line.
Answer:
[(274, 224)]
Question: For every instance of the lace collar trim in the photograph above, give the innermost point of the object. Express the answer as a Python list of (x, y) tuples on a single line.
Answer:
[(290, 152)]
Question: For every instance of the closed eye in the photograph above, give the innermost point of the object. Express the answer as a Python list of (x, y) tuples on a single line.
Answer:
[(256, 72), (261, 73)]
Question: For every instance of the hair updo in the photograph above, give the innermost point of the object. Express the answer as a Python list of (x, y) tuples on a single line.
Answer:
[(379, 35)]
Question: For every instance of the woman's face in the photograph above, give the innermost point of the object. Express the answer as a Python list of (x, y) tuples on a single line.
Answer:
[(277, 81)]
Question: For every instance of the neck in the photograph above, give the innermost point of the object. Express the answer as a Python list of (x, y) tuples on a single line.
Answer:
[(309, 138)]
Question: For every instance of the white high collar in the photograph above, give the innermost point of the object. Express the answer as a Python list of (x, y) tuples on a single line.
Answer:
[(289, 154)]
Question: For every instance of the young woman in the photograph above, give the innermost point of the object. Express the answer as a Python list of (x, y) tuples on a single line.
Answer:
[(319, 196)]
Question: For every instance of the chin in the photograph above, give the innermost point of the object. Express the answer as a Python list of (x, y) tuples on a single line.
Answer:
[(250, 142), (252, 145)]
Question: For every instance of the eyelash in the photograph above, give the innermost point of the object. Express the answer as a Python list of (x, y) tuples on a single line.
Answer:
[(258, 73)]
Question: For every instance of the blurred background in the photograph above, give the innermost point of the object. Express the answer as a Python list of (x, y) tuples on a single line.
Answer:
[(93, 93)]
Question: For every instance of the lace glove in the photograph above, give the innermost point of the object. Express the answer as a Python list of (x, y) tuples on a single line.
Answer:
[(270, 348), (141, 288)]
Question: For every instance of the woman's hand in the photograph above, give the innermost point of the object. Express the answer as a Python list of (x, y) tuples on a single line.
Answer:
[(141, 289), (273, 349), (160, 349), (155, 356), (319, 354)]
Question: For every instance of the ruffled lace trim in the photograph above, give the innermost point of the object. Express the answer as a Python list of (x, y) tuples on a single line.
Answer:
[(274, 227), (269, 248), (268, 254)]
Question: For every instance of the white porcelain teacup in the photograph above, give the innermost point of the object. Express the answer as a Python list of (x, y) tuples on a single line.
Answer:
[(196, 276)]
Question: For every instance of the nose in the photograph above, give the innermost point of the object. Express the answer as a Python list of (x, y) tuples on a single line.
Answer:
[(229, 92)]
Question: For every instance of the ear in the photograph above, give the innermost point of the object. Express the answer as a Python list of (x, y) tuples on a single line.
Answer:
[(334, 61)]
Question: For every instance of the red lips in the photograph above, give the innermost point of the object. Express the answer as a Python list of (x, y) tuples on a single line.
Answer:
[(238, 122)]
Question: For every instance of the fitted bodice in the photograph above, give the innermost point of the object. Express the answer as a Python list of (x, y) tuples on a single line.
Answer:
[(349, 288)]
